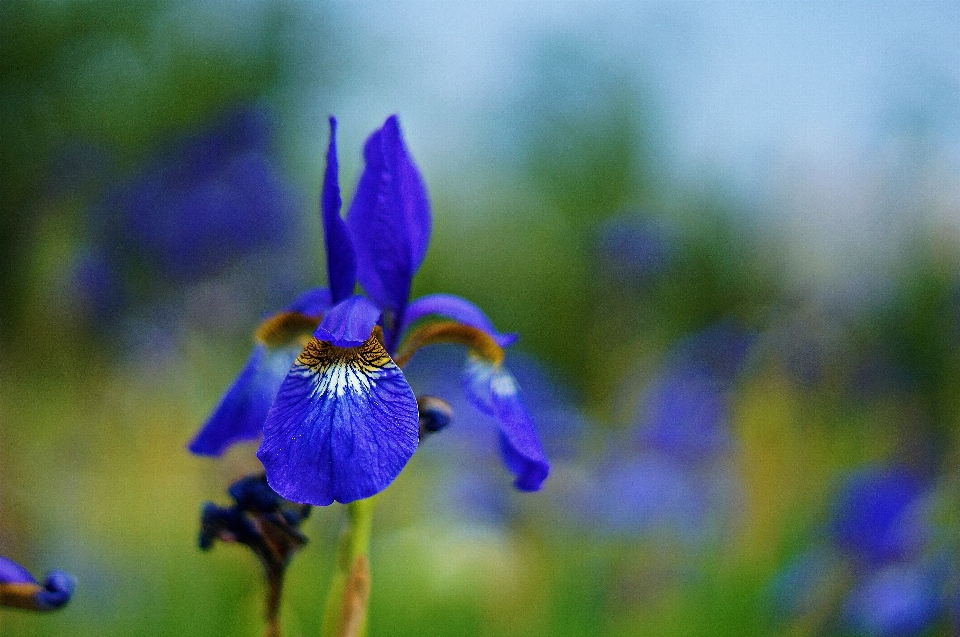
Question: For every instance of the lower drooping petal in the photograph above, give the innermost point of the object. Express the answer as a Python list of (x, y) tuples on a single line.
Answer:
[(19, 589), (493, 390), (342, 427), (243, 409), (477, 376)]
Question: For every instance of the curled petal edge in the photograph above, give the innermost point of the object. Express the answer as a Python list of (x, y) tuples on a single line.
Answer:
[(457, 309), (21, 590)]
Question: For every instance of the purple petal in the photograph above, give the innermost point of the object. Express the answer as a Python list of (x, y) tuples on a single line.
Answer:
[(519, 444), (242, 411), (13, 573), (349, 323), (389, 220), (458, 309), (477, 376), (341, 261), (493, 390), (343, 426)]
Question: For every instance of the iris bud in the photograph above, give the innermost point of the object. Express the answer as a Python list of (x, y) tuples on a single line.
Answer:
[(435, 414)]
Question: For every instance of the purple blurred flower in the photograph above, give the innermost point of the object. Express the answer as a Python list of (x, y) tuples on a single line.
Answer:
[(879, 542), (684, 412), (677, 485), (207, 201), (198, 207), (878, 516), (899, 600), (343, 421), (97, 288), (634, 249), (656, 494)]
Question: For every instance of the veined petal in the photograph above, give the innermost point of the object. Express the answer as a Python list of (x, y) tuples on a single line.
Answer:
[(349, 323), (389, 220), (19, 589), (342, 427), (458, 309), (493, 390), (341, 261), (243, 409)]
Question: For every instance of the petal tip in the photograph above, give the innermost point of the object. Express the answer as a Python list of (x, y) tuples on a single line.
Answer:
[(534, 478)]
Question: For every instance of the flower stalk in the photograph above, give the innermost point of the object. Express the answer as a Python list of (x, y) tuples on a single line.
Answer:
[(345, 612)]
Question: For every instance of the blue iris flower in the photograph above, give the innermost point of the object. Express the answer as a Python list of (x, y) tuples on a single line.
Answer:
[(324, 384), (19, 589)]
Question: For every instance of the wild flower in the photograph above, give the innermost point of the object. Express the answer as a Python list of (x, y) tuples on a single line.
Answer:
[(324, 385)]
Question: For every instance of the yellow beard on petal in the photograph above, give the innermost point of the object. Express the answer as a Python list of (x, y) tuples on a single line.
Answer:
[(343, 369), (286, 328), (476, 340), (19, 595)]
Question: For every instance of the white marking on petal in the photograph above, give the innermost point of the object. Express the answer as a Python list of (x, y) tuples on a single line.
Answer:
[(503, 384)]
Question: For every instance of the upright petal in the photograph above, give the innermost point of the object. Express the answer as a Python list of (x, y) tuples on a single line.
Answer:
[(349, 323), (20, 590), (458, 309), (343, 425), (493, 390), (341, 260), (389, 220)]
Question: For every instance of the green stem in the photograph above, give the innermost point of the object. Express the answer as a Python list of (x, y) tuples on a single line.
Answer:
[(345, 611)]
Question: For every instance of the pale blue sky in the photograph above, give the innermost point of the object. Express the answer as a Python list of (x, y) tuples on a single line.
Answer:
[(810, 111)]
